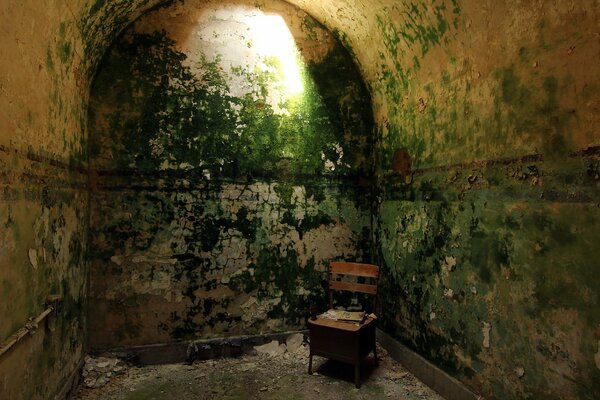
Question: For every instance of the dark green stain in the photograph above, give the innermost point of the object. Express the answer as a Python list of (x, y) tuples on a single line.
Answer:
[(64, 46), (49, 62), (97, 6)]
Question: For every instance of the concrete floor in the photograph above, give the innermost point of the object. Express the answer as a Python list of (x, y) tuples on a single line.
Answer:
[(262, 376)]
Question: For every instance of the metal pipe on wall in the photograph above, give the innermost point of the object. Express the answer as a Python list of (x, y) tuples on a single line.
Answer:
[(52, 307)]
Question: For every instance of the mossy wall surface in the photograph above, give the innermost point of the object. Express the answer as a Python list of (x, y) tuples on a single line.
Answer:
[(487, 159), (492, 105), (43, 199), (43, 245), (45, 65), (230, 166), (489, 204)]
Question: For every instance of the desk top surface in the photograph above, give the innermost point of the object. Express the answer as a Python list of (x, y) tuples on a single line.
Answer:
[(343, 325)]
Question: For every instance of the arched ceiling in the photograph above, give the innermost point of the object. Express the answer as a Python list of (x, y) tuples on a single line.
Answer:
[(415, 56), (101, 21), (354, 22)]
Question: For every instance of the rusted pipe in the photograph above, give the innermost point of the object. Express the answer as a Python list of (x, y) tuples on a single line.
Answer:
[(52, 307)]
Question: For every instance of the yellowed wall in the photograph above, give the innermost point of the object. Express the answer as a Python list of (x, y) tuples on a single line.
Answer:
[(490, 70), (43, 184)]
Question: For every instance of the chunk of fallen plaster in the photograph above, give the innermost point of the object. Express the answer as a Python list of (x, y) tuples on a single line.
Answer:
[(487, 327), (271, 349), (520, 371), (448, 293), (293, 342), (97, 372), (33, 258), (597, 356)]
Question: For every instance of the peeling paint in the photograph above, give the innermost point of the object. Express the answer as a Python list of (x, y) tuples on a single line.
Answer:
[(504, 178), (487, 327), (242, 251), (494, 223), (520, 372), (33, 259)]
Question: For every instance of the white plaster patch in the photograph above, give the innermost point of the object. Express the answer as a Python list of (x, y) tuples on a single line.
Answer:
[(447, 267), (487, 327), (450, 263), (254, 309), (520, 372), (299, 195), (117, 260), (33, 258), (325, 243)]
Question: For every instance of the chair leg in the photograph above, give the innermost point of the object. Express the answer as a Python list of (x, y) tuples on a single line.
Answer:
[(375, 354), (310, 356), (357, 375)]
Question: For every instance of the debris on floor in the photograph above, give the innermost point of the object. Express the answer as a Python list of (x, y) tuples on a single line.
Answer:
[(294, 346), (97, 371), (276, 371)]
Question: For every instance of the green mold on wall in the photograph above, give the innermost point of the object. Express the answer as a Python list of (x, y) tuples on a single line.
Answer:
[(486, 273), (487, 243), (239, 180)]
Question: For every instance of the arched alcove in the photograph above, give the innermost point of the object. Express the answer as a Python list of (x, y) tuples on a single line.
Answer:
[(230, 145)]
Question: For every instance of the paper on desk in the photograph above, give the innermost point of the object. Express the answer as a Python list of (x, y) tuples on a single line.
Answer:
[(341, 315)]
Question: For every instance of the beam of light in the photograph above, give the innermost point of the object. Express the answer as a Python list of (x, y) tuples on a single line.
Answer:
[(271, 37)]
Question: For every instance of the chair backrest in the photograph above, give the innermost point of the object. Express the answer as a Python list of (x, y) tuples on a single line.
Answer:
[(341, 268)]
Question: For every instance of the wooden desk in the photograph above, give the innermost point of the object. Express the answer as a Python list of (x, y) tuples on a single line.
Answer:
[(347, 342)]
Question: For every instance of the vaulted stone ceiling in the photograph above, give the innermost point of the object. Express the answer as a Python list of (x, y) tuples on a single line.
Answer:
[(495, 103)]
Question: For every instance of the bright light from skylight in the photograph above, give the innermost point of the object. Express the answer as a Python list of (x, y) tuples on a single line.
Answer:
[(271, 37)]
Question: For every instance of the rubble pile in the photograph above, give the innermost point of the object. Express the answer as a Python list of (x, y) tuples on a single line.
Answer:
[(97, 371), (294, 347), (274, 370)]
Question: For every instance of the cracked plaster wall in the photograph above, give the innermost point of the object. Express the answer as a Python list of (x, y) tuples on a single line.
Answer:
[(230, 168), (488, 204), (45, 66), (511, 85), (43, 201)]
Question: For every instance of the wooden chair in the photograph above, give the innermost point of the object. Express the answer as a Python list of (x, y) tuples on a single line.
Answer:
[(345, 341)]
